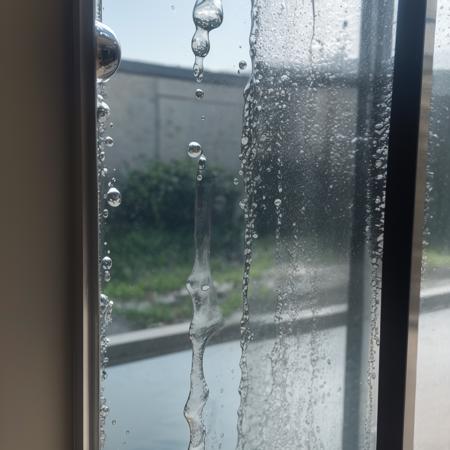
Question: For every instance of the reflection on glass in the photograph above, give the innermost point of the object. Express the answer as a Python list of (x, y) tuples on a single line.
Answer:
[(433, 365), (296, 143)]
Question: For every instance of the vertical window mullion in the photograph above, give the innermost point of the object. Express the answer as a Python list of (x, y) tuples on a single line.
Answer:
[(403, 225), (85, 223)]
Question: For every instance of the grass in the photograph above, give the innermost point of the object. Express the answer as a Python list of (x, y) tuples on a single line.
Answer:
[(436, 258), (151, 264)]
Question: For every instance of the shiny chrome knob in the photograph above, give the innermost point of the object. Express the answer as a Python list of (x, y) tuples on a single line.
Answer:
[(108, 51)]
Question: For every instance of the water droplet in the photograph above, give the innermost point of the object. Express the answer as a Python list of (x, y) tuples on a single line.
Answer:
[(199, 93), (105, 213), (199, 177), (202, 162), (108, 52), (200, 44), (194, 149), (114, 421), (104, 172), (103, 112), (207, 15), (114, 197), (242, 65), (107, 276), (107, 263), (235, 181), (109, 141), (203, 117), (205, 288), (244, 140), (277, 202), (198, 69)]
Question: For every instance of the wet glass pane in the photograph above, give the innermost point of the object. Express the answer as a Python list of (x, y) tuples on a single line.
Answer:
[(252, 215), (431, 429)]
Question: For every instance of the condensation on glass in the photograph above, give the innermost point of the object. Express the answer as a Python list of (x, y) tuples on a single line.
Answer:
[(284, 143), (433, 367)]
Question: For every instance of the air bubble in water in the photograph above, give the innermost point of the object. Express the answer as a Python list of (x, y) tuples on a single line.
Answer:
[(107, 263), (242, 65), (194, 149), (277, 202), (114, 197), (199, 93)]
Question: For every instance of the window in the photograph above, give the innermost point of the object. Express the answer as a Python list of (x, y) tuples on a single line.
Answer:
[(255, 205)]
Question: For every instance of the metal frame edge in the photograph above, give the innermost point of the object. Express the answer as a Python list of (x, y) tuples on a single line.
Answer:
[(85, 231)]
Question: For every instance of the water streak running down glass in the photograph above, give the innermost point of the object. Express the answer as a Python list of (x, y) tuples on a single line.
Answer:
[(293, 117)]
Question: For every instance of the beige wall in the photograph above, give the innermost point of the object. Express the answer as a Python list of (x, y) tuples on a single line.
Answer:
[(158, 116), (35, 143)]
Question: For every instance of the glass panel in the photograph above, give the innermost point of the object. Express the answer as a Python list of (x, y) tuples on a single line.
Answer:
[(295, 140), (433, 367)]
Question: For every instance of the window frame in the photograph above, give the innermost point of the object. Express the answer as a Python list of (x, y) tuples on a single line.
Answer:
[(86, 229), (402, 256), (403, 226)]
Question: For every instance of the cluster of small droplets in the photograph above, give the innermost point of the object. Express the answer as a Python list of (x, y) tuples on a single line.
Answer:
[(201, 167), (111, 198), (207, 15), (105, 316), (375, 236), (99, 10), (249, 205), (111, 195)]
